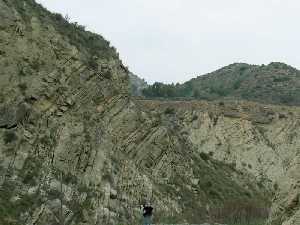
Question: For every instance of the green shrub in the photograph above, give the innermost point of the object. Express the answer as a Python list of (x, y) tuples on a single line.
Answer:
[(31, 170), (7, 210), (22, 87), (22, 73), (275, 186), (195, 117), (197, 94), (45, 140), (237, 84), (54, 194), (9, 137), (281, 79), (35, 65), (243, 69), (215, 194), (287, 98), (170, 110), (92, 63), (208, 184), (108, 177), (220, 91), (70, 178), (204, 156)]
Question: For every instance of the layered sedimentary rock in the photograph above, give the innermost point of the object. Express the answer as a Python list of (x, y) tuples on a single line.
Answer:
[(262, 140), (75, 148)]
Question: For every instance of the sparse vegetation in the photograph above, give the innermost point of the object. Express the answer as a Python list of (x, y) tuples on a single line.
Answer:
[(11, 210), (229, 198), (70, 178), (170, 111), (202, 181), (204, 156), (54, 194), (23, 87), (88, 43), (281, 79), (107, 177), (195, 117), (240, 213), (9, 137), (31, 170)]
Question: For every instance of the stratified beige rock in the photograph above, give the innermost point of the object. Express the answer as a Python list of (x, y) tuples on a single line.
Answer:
[(76, 148)]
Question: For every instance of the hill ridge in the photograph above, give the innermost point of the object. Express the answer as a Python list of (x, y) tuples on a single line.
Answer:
[(275, 83)]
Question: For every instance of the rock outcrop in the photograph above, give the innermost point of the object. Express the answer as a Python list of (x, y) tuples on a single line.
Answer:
[(262, 140), (75, 148)]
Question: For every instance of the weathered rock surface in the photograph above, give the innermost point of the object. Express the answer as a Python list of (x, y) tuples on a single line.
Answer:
[(262, 140), (76, 148)]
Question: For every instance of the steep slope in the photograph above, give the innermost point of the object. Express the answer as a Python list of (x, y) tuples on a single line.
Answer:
[(75, 149), (262, 140), (276, 83)]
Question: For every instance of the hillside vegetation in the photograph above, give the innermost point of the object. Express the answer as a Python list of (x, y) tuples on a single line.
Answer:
[(276, 83)]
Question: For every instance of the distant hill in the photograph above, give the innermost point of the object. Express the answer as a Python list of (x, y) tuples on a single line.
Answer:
[(276, 83)]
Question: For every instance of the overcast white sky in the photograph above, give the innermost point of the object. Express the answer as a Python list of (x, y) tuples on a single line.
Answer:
[(175, 40)]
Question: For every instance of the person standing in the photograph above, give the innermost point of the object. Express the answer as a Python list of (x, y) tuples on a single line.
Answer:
[(147, 213)]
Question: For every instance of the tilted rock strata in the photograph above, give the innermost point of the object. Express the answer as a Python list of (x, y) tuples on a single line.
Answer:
[(76, 148), (262, 140)]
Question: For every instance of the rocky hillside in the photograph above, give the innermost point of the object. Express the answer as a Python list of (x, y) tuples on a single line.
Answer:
[(276, 83), (76, 149), (262, 140)]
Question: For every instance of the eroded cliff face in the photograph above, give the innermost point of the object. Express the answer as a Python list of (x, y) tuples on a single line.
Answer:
[(262, 140), (76, 149)]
